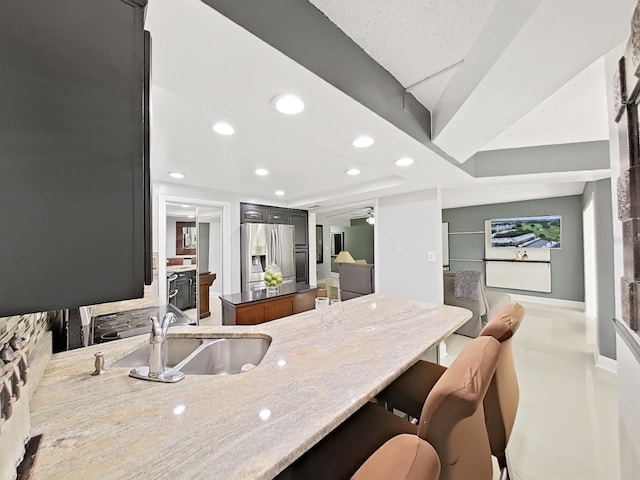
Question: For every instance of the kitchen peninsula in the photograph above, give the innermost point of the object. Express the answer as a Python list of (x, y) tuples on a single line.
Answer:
[(246, 426), (259, 306)]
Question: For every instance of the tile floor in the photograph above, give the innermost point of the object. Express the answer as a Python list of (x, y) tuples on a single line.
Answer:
[(215, 307), (567, 423)]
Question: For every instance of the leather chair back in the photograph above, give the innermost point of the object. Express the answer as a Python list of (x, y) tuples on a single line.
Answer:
[(452, 419), (404, 457), (501, 401)]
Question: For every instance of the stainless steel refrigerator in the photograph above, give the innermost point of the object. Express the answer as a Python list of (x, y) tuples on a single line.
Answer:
[(261, 245)]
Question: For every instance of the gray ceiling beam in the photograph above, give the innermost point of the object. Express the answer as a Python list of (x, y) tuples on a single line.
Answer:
[(303, 33)]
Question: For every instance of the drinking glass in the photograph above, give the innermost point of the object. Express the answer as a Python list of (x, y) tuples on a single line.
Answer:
[(322, 306), (336, 310)]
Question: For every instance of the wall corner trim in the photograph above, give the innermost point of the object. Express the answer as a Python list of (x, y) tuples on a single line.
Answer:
[(607, 364)]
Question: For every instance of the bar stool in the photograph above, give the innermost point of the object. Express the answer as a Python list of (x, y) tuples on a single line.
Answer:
[(451, 421), (410, 390), (404, 457)]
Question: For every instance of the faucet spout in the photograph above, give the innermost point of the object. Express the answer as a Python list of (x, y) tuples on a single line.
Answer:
[(157, 349)]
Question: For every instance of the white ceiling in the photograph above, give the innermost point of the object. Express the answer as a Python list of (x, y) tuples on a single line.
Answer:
[(577, 112), (412, 39), (208, 69)]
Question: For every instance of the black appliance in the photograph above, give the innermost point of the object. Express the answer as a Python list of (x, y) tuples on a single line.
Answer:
[(114, 326)]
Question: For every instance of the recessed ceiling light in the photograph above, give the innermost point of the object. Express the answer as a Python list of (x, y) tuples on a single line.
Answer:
[(404, 162), (191, 216), (279, 193), (184, 206), (353, 171), (223, 128), (288, 104), (262, 172), (363, 141), (176, 174)]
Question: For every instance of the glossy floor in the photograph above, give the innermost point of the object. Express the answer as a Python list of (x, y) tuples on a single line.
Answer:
[(567, 423)]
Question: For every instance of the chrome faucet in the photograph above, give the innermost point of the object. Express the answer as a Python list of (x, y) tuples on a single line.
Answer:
[(157, 370), (157, 350)]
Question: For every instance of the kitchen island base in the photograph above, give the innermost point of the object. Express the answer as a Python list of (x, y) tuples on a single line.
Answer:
[(253, 308)]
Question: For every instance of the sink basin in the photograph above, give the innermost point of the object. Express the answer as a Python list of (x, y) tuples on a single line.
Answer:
[(205, 356), (177, 350), (227, 356)]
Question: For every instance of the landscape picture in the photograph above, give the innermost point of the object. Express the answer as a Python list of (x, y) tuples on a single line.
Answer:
[(526, 232)]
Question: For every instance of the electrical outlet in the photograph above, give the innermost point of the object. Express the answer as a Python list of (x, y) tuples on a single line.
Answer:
[(431, 256)]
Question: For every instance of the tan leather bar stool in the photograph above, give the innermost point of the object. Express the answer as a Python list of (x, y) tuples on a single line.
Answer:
[(452, 421), (404, 457), (410, 390)]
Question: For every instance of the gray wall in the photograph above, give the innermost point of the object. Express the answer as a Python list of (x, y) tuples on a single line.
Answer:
[(358, 241), (203, 247), (601, 191), (567, 263)]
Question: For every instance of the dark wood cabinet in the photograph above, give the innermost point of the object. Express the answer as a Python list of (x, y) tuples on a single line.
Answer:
[(277, 215), (300, 220), (252, 213), (186, 286), (268, 309), (206, 280), (302, 265), (74, 176)]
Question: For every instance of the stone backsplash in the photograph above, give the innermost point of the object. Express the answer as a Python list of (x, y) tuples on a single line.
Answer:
[(31, 326), (34, 327)]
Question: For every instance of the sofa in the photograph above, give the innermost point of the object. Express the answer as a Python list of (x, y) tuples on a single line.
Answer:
[(486, 305), (356, 279)]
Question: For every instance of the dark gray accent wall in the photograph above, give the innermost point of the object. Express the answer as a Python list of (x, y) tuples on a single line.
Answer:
[(304, 34), (566, 157), (358, 241), (567, 263), (601, 191)]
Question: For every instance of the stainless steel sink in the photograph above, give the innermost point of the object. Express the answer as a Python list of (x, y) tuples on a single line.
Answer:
[(226, 356), (205, 356), (177, 350)]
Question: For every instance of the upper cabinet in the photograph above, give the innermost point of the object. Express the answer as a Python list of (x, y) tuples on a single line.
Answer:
[(74, 162), (299, 219)]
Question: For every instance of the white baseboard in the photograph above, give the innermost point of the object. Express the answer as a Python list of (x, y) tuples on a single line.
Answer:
[(606, 363), (556, 302)]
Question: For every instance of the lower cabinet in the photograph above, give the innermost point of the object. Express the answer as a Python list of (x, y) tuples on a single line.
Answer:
[(302, 265), (186, 286), (267, 310)]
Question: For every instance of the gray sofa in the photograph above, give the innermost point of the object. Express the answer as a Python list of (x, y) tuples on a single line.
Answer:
[(483, 309), (356, 279)]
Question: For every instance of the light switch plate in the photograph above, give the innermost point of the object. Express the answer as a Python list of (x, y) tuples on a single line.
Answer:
[(431, 256)]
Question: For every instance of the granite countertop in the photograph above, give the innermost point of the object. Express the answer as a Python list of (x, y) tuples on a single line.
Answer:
[(246, 426), (261, 295), (180, 268)]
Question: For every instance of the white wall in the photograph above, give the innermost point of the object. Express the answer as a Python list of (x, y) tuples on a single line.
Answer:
[(407, 228), (215, 253)]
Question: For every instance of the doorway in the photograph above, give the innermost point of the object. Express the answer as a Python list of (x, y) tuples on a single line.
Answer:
[(194, 256)]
